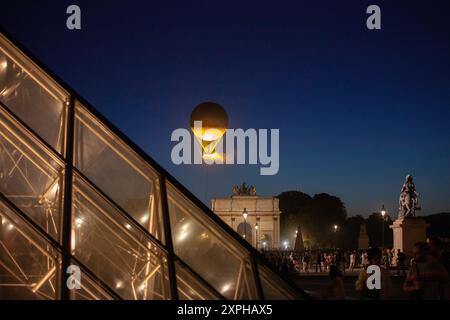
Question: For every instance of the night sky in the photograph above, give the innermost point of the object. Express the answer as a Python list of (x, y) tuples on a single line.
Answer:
[(357, 110)]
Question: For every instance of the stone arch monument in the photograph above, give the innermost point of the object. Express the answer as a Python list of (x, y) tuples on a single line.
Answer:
[(264, 211)]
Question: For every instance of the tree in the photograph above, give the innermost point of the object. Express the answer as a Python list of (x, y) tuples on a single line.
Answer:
[(351, 232), (315, 215), (292, 204), (374, 227), (439, 225)]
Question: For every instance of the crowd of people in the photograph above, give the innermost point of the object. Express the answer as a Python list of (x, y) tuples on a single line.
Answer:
[(427, 276), (322, 260)]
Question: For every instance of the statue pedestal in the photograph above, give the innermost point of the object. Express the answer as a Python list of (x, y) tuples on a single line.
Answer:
[(408, 231)]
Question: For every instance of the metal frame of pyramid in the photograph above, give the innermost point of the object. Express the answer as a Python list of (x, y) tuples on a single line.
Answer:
[(75, 191)]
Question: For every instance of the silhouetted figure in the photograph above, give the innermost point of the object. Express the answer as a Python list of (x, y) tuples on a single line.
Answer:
[(335, 290), (400, 262), (427, 278)]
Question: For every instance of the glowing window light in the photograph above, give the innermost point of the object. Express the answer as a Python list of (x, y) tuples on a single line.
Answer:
[(225, 288), (73, 242), (185, 226), (183, 235), (144, 218), (78, 222), (3, 65)]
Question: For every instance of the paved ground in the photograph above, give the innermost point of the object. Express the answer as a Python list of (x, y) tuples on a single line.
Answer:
[(314, 282)]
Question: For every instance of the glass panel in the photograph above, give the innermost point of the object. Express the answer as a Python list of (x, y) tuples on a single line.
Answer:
[(28, 263), (190, 288), (90, 289), (273, 287), (30, 176), (118, 172), (114, 249), (208, 250), (32, 96)]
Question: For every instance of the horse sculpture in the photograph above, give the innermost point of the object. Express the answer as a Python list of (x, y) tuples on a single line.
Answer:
[(408, 200)]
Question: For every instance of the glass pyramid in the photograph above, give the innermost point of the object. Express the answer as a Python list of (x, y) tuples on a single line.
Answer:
[(74, 191)]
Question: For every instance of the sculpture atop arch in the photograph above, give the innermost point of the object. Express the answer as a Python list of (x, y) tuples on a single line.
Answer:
[(244, 190)]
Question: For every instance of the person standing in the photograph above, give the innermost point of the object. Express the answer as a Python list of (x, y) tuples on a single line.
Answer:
[(305, 262), (385, 259), (319, 261), (352, 261), (400, 262), (427, 278), (338, 258), (437, 249), (443, 256), (364, 259), (335, 290)]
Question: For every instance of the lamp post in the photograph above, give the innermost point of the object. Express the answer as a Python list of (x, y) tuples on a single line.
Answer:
[(257, 239), (335, 227), (383, 213), (245, 215)]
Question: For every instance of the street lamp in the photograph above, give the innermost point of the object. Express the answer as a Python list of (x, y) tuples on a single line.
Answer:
[(383, 213), (257, 239), (285, 245), (295, 238), (335, 227), (245, 215)]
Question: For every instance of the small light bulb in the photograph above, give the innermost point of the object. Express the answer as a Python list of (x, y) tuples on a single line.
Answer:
[(225, 288), (144, 218), (3, 65), (78, 222)]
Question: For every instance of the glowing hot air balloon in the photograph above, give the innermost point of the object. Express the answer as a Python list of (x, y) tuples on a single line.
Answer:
[(214, 123)]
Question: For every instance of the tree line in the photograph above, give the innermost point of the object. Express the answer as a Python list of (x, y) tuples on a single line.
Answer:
[(317, 215)]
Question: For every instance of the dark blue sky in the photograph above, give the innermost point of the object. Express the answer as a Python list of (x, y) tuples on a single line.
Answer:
[(357, 109)]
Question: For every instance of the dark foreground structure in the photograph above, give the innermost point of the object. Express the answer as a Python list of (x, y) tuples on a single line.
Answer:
[(76, 193)]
